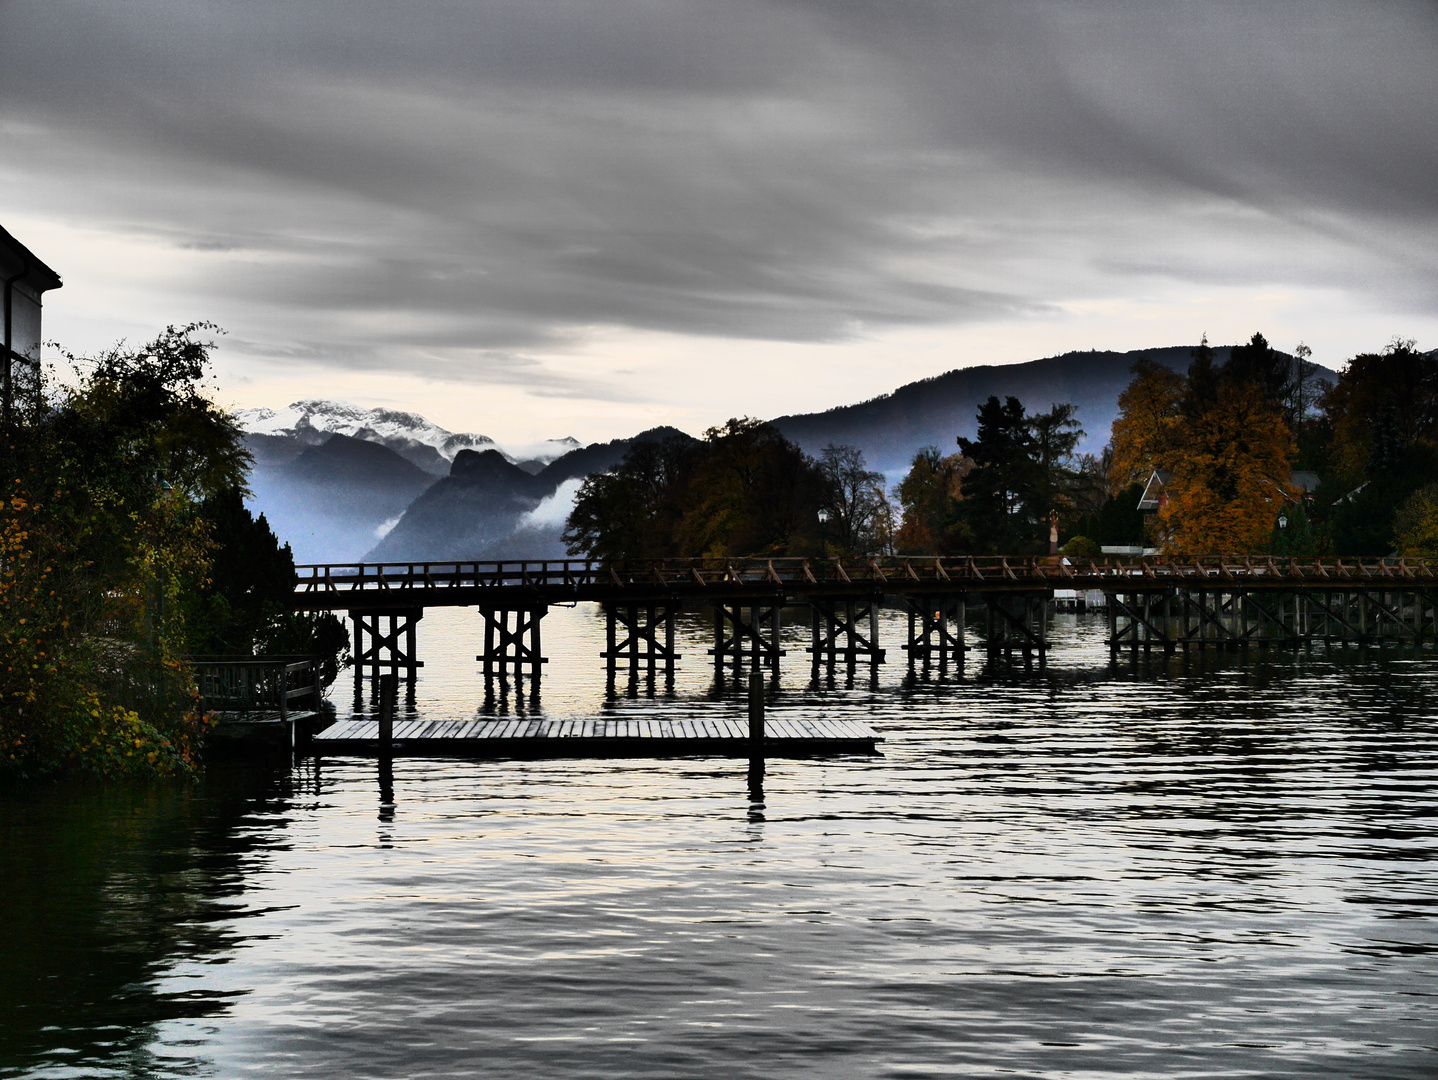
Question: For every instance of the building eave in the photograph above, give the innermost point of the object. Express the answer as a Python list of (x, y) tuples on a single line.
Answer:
[(19, 263)]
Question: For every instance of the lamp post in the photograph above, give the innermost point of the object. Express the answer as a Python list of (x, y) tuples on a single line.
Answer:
[(823, 547), (1282, 533)]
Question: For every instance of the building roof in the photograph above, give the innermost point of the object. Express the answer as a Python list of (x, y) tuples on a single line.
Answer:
[(19, 262), (1152, 496)]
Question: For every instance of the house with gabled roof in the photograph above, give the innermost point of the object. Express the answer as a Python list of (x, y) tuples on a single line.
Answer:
[(24, 279)]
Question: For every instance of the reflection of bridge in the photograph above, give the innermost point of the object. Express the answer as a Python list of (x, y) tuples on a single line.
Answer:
[(1151, 603)]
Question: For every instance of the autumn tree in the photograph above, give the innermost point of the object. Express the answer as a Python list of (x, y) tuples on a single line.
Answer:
[(1229, 474), (1145, 434), (1416, 524), (928, 498)]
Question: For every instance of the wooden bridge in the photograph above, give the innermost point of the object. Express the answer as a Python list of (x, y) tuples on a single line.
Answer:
[(1164, 603)]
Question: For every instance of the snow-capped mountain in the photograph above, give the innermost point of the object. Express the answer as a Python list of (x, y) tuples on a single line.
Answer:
[(410, 435)]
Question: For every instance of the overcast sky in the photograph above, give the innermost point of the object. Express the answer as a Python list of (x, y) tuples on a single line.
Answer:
[(531, 218)]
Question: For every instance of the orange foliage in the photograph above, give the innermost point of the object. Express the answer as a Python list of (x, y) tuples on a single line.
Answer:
[(1147, 429), (1231, 467)]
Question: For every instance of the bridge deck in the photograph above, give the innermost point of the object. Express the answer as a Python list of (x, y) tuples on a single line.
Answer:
[(512, 737), (376, 586)]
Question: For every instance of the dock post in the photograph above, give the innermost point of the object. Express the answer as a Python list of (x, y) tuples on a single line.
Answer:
[(756, 709), (388, 699)]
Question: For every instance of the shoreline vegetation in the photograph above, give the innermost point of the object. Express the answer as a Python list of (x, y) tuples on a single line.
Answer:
[(126, 548), (1255, 456)]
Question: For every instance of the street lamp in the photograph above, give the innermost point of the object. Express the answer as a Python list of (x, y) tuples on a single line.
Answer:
[(1282, 534), (823, 547)]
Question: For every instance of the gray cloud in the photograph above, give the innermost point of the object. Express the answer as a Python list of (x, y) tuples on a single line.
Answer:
[(471, 181)]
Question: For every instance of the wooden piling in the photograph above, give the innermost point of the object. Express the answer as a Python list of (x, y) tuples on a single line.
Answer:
[(756, 709), (388, 701)]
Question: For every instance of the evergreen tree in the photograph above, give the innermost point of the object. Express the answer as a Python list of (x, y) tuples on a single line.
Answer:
[(1000, 504)]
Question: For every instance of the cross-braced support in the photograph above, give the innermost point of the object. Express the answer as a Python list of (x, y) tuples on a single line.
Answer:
[(640, 637), (753, 636), (505, 644), (1016, 621), (936, 630), (1236, 618), (385, 639), (834, 632)]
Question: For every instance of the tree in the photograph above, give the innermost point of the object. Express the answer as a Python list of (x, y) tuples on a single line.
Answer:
[(1145, 433), (1000, 505), (1293, 533), (1229, 476), (1416, 524), (752, 492), (107, 555), (1382, 419), (633, 510), (125, 548), (1058, 487), (744, 490), (1259, 365), (929, 496), (856, 500)]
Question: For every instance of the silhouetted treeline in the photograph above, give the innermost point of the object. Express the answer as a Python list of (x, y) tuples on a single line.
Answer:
[(742, 490)]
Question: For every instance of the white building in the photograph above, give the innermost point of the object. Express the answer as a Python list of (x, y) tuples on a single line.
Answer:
[(24, 280)]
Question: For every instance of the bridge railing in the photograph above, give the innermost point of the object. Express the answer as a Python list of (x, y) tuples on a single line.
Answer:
[(891, 571), (257, 684)]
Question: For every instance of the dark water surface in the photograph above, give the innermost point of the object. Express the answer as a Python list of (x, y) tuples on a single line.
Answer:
[(1224, 869)]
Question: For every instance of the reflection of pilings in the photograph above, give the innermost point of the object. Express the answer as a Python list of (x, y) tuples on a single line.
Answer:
[(647, 638), (747, 632), (834, 632), (1016, 620), (936, 630), (1237, 618), (505, 647), (385, 639)]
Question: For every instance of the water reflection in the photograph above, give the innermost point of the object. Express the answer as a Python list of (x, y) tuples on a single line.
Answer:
[(105, 892), (1144, 865)]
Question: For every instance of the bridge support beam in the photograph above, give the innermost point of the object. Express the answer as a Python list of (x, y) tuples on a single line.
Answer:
[(936, 631), (1017, 620), (640, 636), (1239, 617), (511, 640), (385, 640), (753, 636), (834, 632)]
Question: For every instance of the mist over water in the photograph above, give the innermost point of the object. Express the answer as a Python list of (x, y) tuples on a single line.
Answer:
[(1218, 868)]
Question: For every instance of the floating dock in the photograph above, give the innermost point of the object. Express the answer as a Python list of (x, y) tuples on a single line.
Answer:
[(520, 737)]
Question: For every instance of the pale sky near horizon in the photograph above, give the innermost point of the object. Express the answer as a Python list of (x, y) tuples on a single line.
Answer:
[(591, 216)]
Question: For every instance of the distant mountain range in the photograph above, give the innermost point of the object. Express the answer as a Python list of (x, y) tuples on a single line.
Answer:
[(341, 484), (934, 412), (427, 445)]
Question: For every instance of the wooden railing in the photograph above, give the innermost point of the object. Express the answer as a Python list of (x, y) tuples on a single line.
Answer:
[(260, 684), (592, 577)]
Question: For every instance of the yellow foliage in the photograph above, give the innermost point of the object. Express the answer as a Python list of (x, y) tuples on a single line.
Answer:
[(1416, 524)]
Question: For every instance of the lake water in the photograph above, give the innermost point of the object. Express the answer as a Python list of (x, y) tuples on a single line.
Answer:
[(1224, 869)]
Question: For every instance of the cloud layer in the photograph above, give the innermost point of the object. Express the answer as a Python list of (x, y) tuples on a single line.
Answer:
[(470, 189)]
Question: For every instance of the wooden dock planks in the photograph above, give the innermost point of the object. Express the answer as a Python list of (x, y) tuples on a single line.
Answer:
[(537, 736)]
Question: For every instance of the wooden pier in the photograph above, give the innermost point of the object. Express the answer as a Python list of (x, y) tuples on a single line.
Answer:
[(509, 738)]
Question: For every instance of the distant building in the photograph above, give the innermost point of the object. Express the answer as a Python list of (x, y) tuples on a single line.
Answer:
[(1155, 492), (24, 279), (1154, 495)]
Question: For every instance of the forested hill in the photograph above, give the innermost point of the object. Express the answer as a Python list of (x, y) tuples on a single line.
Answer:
[(934, 411)]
